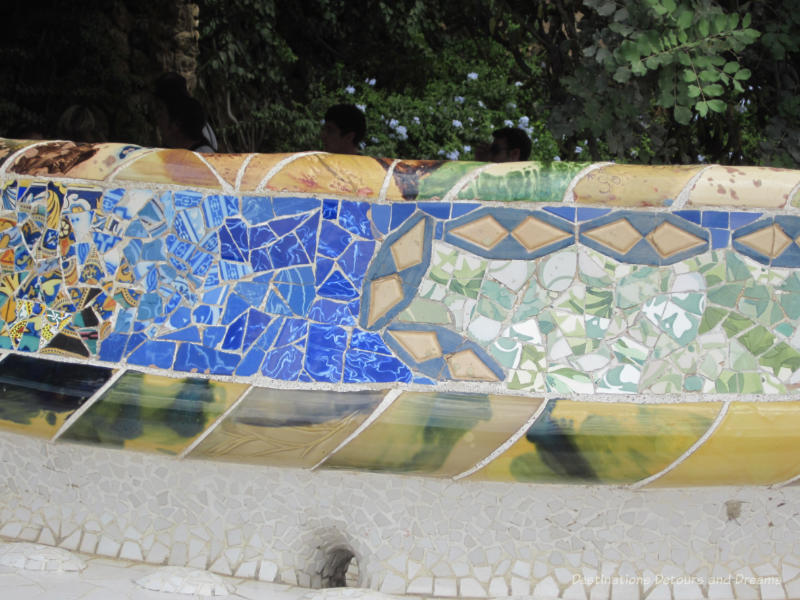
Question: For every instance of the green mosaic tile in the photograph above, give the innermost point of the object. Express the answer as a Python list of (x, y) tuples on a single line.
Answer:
[(754, 301), (499, 294), (735, 324), (791, 304), (791, 283), (595, 270), (711, 317), (726, 295), (638, 287), (693, 383), (732, 382), (772, 385), (422, 310), (757, 340), (599, 302), (785, 329), (533, 301), (506, 351), (490, 309), (596, 327), (468, 277), (782, 359), (628, 351), (735, 268), (741, 358), (570, 324), (565, 380), (621, 379), (435, 185)]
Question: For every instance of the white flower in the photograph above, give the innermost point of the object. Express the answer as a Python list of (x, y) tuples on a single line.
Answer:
[(457, 124), (440, 153), (557, 158), (512, 105), (374, 140), (362, 107), (393, 123), (369, 81), (350, 89), (459, 99), (481, 104), (467, 148), (523, 121), (453, 155), (416, 120), (402, 132), (578, 149), (518, 83), (472, 76), (508, 123)]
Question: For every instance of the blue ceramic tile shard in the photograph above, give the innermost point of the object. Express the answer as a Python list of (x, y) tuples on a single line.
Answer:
[(565, 212), (283, 226), (216, 295), (333, 240), (200, 262), (172, 303), (337, 287), (153, 250), (298, 297), (234, 306), (381, 216), (439, 234), (257, 323), (462, 208), (423, 380), (284, 363), (276, 305), (150, 306), (113, 347), (230, 271), (355, 260), (288, 252), (260, 261), (324, 352), (257, 209), (251, 363), (296, 276), (181, 317), (586, 214), (188, 226), (330, 209), (438, 210), (266, 341), (293, 330), (206, 315), (719, 238), (401, 212), (212, 336), (190, 334), (193, 357), (210, 243), (693, 216), (369, 342), (323, 268), (354, 217), (238, 230), (124, 321), (307, 234), (329, 311), (186, 199), (740, 219), (227, 247), (366, 367), (716, 219), (293, 206), (235, 334), (111, 198), (253, 293), (261, 235), (177, 247), (134, 341)]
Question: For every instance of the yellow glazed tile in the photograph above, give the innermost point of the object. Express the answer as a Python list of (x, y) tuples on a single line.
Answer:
[(408, 250), (152, 413), (108, 158), (534, 234), (441, 434), (770, 241), (338, 174), (257, 169), (287, 428), (177, 167), (421, 345), (467, 366), (385, 293), (9, 147), (669, 240), (620, 235), (755, 187), (633, 185), (227, 166), (757, 443), (601, 442), (485, 232)]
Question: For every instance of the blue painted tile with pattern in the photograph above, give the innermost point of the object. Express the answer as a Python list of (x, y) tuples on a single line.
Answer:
[(324, 352), (355, 260), (329, 311), (307, 234), (251, 363), (360, 366), (288, 252), (283, 363), (235, 334), (333, 240), (330, 209), (191, 357), (257, 209), (291, 206), (438, 210), (354, 217), (190, 334)]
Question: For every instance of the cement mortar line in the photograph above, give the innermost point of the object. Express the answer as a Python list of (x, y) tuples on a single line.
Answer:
[(691, 450), (505, 445), (220, 419), (683, 196), (240, 174), (384, 404), (387, 181), (462, 183), (88, 404), (569, 193), (124, 164), (226, 187)]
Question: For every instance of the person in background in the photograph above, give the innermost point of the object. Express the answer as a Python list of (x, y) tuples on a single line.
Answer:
[(79, 124), (509, 144), (171, 89), (344, 129), (181, 122)]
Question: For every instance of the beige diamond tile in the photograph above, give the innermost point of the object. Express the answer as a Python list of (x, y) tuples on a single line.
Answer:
[(467, 365), (619, 235), (421, 345), (485, 232), (771, 241), (408, 250), (668, 240), (385, 293), (534, 234)]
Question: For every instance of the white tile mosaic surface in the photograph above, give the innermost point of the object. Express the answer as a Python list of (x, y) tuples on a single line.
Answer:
[(409, 535)]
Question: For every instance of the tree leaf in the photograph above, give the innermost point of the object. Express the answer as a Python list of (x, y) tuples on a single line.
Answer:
[(693, 91), (742, 74), (607, 9), (731, 67), (717, 105), (638, 68), (685, 18), (622, 74), (652, 62), (682, 115), (709, 75), (702, 108), (702, 27), (714, 89), (689, 75)]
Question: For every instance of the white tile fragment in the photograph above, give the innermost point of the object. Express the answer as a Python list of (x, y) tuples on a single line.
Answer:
[(546, 589)]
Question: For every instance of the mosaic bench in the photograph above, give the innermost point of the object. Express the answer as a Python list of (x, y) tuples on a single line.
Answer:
[(471, 322)]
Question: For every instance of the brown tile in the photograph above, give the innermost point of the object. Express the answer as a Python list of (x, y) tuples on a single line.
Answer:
[(485, 232), (770, 241), (669, 240), (620, 235), (534, 234), (385, 293), (421, 345), (408, 250), (466, 365)]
